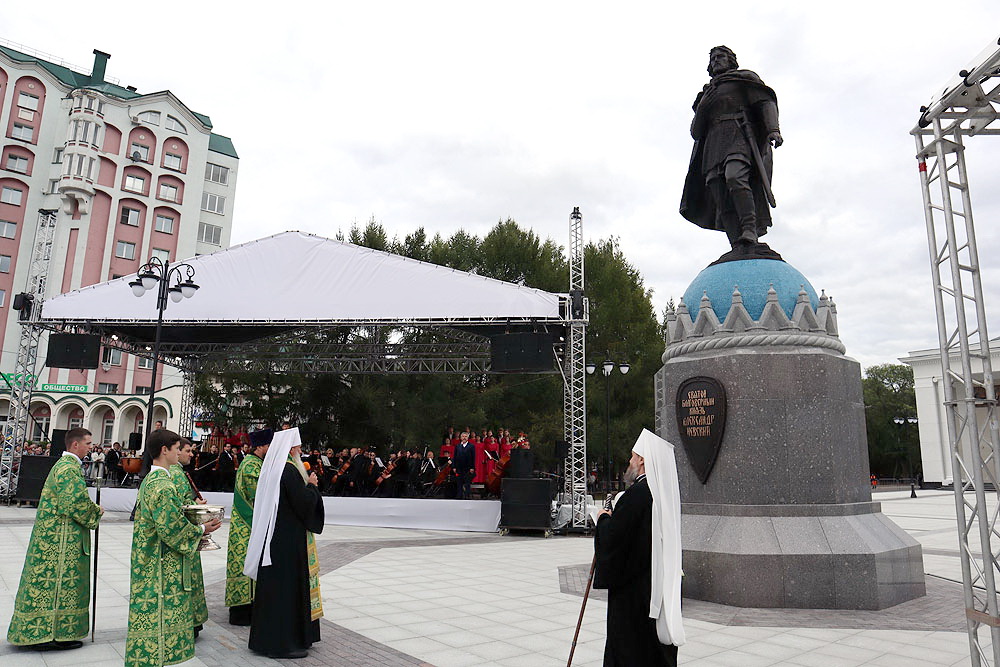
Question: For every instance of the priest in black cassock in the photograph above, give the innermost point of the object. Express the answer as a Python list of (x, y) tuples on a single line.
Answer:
[(281, 555), (638, 549)]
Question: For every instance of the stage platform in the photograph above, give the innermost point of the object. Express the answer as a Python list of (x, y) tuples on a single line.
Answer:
[(480, 516)]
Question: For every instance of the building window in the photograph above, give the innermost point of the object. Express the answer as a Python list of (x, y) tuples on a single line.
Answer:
[(169, 192), (75, 422), (139, 152), (171, 161), (4, 263), (175, 125), (3, 298), (57, 156), (151, 117), (112, 356), (8, 230), (164, 255), (81, 131), (39, 428), (130, 216), (165, 224), (22, 132), (125, 250), (142, 391), (108, 431), (26, 101), (135, 183), (11, 196), (145, 362), (107, 387), (209, 233), (213, 203), (17, 163), (53, 186), (217, 173)]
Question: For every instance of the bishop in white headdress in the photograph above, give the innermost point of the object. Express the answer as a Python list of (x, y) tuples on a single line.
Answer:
[(638, 549), (281, 555)]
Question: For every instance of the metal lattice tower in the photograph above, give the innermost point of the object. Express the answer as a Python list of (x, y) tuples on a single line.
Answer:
[(15, 429), (574, 378), (187, 405), (965, 109)]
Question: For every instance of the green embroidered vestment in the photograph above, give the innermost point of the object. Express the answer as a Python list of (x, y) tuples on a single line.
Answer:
[(160, 627), (54, 595), (240, 588), (199, 607)]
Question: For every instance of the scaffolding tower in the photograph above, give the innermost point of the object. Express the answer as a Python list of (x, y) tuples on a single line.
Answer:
[(29, 305), (574, 378), (967, 107)]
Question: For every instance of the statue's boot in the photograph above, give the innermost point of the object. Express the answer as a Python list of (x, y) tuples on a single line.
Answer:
[(744, 205)]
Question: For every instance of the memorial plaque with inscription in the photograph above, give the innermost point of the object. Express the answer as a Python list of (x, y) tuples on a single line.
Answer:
[(701, 421)]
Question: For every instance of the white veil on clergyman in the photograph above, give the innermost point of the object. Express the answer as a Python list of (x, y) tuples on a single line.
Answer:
[(265, 505), (665, 591)]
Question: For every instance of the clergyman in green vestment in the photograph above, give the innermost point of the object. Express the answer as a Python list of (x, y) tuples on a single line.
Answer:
[(199, 608), (160, 618), (239, 587), (51, 610)]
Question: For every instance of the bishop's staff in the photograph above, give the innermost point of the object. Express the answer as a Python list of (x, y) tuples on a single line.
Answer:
[(97, 541), (608, 500)]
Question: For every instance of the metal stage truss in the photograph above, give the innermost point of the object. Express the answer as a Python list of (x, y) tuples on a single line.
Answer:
[(15, 429), (364, 346), (967, 107)]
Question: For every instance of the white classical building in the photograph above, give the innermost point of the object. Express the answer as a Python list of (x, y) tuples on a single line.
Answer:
[(935, 452), (133, 176)]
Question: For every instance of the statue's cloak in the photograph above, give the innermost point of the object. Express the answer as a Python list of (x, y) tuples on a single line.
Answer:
[(696, 202)]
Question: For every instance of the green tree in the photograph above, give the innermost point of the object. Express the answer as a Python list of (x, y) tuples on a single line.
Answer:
[(893, 448), (623, 326)]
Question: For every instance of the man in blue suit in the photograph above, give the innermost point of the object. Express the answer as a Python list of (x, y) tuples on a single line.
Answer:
[(464, 465)]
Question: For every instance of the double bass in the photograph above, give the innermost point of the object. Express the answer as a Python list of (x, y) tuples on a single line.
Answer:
[(495, 477)]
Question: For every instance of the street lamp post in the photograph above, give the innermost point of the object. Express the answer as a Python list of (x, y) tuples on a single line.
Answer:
[(901, 422), (157, 273), (607, 367)]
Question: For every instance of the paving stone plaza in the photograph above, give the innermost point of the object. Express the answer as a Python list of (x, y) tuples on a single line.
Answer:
[(412, 597)]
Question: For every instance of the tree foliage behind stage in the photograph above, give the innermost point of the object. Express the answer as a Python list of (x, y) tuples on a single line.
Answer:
[(413, 411), (893, 448)]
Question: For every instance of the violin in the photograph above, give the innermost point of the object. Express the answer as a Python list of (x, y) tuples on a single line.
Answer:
[(388, 471), (340, 473)]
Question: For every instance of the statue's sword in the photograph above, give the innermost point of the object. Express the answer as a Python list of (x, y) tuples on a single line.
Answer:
[(765, 181)]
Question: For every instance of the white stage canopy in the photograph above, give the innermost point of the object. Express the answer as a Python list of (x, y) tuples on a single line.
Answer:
[(299, 278)]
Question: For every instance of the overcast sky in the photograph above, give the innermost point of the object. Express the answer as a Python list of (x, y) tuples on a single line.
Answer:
[(457, 115)]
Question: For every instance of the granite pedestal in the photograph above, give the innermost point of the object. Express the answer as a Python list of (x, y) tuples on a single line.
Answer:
[(785, 519)]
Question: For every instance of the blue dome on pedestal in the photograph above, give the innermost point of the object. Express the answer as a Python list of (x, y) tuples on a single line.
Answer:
[(753, 278)]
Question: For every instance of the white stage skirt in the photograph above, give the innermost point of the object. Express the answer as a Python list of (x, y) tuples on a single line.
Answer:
[(481, 516)]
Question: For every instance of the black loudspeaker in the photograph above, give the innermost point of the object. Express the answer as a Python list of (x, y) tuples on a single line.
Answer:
[(33, 472), (58, 442), (526, 504), (562, 449), (521, 465), (521, 353), (135, 441), (79, 351)]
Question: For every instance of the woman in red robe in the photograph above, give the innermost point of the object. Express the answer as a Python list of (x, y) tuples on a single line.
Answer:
[(490, 445)]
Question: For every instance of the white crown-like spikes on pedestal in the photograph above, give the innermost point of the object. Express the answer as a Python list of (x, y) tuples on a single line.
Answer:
[(807, 327)]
